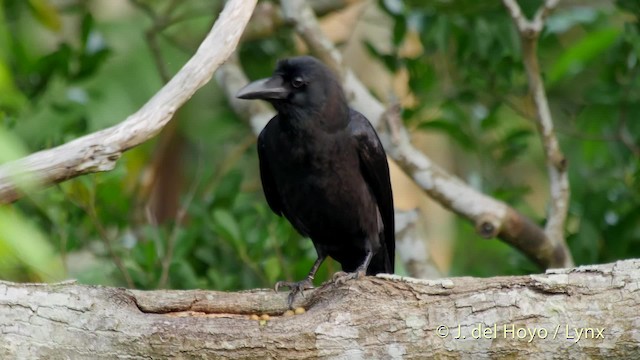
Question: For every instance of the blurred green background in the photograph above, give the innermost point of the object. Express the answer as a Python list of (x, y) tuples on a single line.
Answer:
[(186, 209)]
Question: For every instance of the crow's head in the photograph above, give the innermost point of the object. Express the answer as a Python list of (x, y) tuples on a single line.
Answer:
[(300, 85)]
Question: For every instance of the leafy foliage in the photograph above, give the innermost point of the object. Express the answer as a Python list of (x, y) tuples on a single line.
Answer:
[(186, 210), (589, 58), (221, 235)]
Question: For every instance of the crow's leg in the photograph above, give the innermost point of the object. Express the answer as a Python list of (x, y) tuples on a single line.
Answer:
[(299, 286), (340, 277)]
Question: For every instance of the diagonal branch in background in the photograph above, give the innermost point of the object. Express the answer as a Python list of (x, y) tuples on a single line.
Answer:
[(491, 217), (231, 78), (268, 17), (529, 31), (99, 151), (300, 14)]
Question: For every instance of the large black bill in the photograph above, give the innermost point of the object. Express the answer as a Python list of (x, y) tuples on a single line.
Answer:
[(269, 88)]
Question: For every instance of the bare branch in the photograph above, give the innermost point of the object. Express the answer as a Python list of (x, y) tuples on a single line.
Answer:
[(556, 162), (588, 312), (231, 78), (411, 247), (526, 27), (300, 14), (543, 12), (267, 17), (99, 151), (491, 217)]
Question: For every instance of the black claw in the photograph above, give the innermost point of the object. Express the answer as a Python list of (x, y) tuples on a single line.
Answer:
[(278, 285), (342, 277), (297, 287)]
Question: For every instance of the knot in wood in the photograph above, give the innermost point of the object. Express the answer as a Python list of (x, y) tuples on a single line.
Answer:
[(487, 226)]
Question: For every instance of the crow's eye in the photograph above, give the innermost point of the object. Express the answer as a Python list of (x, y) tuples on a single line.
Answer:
[(297, 83)]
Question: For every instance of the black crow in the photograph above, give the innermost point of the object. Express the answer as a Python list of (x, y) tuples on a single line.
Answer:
[(323, 167)]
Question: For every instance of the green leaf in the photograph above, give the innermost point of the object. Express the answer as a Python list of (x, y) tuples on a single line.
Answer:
[(399, 30), (272, 269), (11, 98), (25, 247), (389, 61), (185, 243), (11, 148), (492, 120), (183, 276), (587, 242), (228, 189), (514, 144), (450, 129), (145, 253), (46, 13), (86, 28), (576, 57), (227, 225), (632, 6), (422, 77)]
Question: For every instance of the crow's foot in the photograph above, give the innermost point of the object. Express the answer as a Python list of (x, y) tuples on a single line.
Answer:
[(295, 288), (342, 277)]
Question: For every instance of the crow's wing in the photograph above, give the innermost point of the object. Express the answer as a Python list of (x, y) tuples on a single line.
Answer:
[(268, 183), (375, 170)]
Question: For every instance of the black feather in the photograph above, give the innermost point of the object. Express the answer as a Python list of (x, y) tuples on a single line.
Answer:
[(323, 166)]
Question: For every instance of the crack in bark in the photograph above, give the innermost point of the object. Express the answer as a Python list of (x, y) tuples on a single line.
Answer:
[(371, 317)]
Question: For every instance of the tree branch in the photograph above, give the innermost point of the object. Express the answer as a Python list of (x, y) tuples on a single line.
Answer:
[(301, 15), (491, 217), (556, 162), (231, 78), (99, 151), (267, 17), (590, 311)]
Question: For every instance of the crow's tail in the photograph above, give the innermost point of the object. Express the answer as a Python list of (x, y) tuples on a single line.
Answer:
[(381, 263)]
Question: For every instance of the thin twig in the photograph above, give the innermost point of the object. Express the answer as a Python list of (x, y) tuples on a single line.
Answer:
[(227, 163), (158, 24), (154, 46), (622, 133), (556, 162), (144, 7), (90, 209), (622, 130), (173, 237), (284, 265)]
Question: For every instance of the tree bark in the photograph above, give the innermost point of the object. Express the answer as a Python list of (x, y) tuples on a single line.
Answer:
[(587, 312)]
